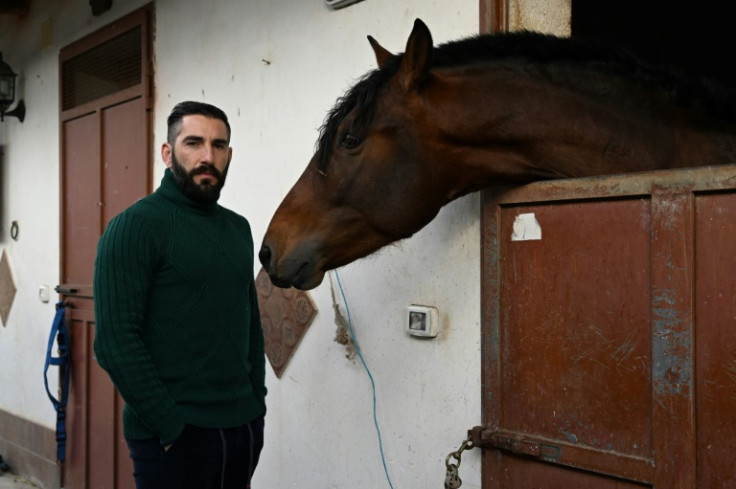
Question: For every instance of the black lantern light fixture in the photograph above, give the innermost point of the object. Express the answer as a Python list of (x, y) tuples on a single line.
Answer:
[(7, 93)]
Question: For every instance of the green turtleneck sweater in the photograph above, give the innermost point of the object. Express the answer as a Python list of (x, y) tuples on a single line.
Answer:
[(177, 322)]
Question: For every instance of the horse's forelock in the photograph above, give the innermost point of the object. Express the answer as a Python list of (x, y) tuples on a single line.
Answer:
[(362, 97)]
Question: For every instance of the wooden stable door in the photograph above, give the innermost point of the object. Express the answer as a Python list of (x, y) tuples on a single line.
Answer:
[(609, 333), (105, 141)]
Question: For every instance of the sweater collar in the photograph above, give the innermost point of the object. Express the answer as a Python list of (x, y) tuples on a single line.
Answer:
[(170, 190)]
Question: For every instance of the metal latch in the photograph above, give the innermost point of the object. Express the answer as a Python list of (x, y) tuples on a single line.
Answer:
[(516, 443), (60, 289)]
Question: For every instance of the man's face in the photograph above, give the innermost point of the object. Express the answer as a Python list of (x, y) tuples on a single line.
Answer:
[(200, 157)]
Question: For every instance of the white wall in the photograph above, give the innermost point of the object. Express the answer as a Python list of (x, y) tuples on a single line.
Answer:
[(320, 430)]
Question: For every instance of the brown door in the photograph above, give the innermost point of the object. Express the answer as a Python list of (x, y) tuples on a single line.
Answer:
[(105, 148), (609, 344)]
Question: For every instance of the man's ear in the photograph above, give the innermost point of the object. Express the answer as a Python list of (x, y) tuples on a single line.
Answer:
[(166, 154)]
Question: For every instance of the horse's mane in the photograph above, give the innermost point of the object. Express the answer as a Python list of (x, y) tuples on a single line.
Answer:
[(532, 49)]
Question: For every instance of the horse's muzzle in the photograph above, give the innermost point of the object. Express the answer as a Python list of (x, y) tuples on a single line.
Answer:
[(295, 271)]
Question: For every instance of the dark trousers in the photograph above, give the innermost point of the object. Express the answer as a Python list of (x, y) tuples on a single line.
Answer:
[(201, 458)]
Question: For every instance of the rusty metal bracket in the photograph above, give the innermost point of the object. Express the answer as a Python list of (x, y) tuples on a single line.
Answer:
[(484, 437)]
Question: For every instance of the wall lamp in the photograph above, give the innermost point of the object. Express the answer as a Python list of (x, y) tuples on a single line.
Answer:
[(7, 93)]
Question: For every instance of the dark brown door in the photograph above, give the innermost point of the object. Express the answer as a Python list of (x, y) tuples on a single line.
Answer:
[(609, 349), (105, 147)]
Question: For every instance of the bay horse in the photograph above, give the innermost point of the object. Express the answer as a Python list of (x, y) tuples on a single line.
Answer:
[(435, 123)]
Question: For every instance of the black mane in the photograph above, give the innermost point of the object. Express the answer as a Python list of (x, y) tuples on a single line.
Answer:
[(533, 49)]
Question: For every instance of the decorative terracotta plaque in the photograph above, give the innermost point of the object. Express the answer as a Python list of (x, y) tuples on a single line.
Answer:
[(7, 288), (285, 314)]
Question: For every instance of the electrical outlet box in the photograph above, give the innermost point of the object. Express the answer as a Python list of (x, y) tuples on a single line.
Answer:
[(422, 321)]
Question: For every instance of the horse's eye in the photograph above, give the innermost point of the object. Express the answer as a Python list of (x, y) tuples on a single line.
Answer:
[(349, 141)]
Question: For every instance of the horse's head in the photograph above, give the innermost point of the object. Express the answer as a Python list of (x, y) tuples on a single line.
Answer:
[(370, 182), (432, 124)]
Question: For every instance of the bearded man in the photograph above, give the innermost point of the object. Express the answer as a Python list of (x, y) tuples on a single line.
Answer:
[(177, 321)]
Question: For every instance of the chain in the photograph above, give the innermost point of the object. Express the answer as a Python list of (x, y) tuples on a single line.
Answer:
[(452, 477)]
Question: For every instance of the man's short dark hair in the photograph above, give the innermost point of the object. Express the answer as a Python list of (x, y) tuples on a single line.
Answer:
[(193, 108)]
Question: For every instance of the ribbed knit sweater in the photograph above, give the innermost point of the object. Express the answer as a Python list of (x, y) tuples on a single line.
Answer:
[(177, 322)]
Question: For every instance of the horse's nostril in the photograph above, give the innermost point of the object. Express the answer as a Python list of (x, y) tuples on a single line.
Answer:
[(265, 256)]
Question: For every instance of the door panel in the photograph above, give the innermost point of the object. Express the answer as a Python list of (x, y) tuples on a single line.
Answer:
[(102, 425), (105, 168), (80, 322), (568, 329), (715, 342), (520, 473), (81, 197), (125, 147), (100, 181), (81, 230), (609, 332)]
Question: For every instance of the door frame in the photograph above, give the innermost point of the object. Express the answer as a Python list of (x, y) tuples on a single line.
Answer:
[(494, 16)]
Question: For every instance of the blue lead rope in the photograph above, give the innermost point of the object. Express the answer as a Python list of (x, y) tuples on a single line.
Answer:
[(59, 332)]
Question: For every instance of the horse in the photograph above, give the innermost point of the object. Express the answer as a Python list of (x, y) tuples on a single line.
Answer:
[(435, 123)]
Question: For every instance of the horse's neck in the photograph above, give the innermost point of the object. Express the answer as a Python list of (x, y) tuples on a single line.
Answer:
[(523, 130)]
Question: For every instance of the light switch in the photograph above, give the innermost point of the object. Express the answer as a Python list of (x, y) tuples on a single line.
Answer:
[(44, 292), (422, 321)]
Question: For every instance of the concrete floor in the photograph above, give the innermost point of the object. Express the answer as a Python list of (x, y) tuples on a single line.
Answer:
[(12, 481)]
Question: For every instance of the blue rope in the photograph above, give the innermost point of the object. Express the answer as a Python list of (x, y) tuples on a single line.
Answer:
[(60, 334), (370, 376)]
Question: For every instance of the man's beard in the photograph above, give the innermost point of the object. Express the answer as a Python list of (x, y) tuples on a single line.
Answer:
[(206, 192)]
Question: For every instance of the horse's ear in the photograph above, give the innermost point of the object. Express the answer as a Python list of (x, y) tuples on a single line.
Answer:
[(382, 54), (417, 58)]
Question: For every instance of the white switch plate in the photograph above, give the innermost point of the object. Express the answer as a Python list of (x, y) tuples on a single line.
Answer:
[(422, 321), (44, 293)]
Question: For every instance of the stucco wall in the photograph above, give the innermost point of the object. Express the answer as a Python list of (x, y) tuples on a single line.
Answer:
[(320, 428), (548, 16), (276, 68)]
